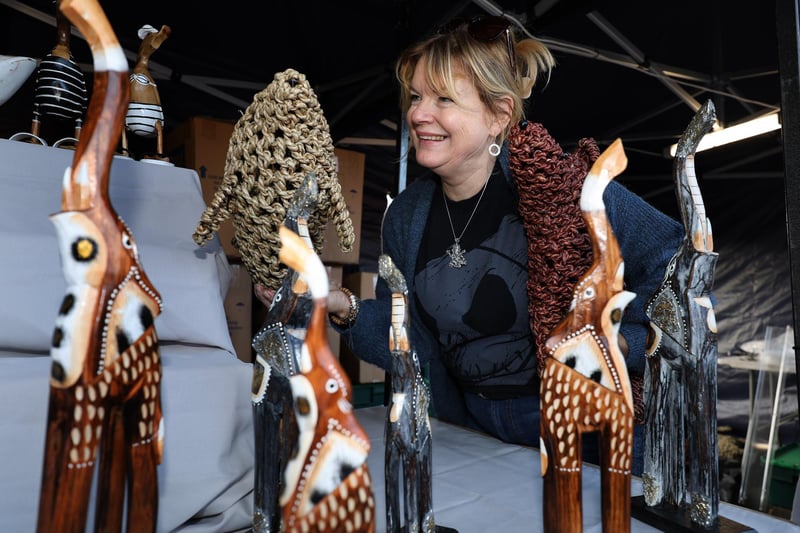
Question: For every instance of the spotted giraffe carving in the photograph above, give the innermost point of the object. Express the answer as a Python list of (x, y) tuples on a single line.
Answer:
[(681, 466), (328, 485), (106, 370), (585, 385), (278, 344), (408, 474)]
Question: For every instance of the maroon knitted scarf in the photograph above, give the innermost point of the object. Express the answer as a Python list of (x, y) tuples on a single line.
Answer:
[(549, 182)]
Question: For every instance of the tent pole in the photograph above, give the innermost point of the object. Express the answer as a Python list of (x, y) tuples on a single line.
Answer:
[(788, 30)]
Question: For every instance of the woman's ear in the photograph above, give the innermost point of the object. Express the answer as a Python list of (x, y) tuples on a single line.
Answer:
[(503, 116)]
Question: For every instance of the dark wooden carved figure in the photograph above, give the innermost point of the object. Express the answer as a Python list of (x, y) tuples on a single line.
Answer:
[(681, 456), (60, 86), (278, 345), (328, 486), (105, 377), (407, 467), (585, 385), (145, 117)]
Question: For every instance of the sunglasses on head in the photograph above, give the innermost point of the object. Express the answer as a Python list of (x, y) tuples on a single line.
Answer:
[(488, 28)]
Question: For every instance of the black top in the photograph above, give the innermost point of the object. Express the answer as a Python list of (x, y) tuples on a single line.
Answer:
[(479, 312)]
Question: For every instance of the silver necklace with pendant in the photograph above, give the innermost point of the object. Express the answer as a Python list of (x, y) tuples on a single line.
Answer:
[(455, 251)]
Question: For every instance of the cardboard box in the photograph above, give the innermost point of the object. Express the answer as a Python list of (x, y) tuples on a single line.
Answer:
[(363, 285), (239, 312), (351, 178), (201, 144)]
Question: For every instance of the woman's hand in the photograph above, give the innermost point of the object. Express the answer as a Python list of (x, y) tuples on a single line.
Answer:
[(338, 302)]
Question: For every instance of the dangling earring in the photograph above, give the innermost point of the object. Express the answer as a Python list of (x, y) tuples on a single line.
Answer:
[(494, 149)]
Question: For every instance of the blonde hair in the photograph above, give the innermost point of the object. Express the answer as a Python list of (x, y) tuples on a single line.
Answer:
[(486, 63)]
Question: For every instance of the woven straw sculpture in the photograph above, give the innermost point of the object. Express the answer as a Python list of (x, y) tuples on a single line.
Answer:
[(281, 137)]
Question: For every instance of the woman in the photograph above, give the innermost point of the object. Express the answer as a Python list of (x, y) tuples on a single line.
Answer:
[(457, 236)]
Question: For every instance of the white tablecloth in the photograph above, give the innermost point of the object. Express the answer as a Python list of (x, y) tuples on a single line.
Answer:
[(481, 484)]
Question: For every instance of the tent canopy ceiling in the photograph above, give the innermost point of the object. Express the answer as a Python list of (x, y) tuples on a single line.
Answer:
[(626, 69)]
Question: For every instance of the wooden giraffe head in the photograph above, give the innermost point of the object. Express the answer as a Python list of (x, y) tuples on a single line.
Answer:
[(277, 341), (328, 486), (409, 391), (110, 302), (106, 368), (681, 309), (587, 339)]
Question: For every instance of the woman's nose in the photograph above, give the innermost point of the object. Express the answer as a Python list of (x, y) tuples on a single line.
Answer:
[(419, 114)]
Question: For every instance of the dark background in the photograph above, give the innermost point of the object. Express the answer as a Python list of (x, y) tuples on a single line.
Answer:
[(629, 69), (626, 68)]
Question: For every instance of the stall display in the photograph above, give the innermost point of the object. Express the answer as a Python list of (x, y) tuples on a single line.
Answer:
[(278, 345), (145, 116), (105, 382), (328, 484)]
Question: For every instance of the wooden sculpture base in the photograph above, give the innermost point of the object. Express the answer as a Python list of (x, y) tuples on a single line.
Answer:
[(670, 521)]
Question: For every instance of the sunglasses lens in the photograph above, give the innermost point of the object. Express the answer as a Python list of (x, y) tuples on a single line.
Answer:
[(488, 28)]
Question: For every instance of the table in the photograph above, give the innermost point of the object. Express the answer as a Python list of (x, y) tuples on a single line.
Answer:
[(481, 484), (768, 363)]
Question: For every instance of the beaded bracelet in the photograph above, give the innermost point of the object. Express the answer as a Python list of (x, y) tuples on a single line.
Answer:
[(355, 304)]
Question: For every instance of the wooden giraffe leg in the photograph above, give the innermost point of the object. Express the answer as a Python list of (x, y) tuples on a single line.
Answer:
[(64, 494), (111, 473), (411, 479), (703, 482), (558, 499), (561, 444), (616, 441), (143, 498)]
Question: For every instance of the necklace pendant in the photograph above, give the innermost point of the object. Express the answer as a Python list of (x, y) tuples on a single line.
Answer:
[(456, 254)]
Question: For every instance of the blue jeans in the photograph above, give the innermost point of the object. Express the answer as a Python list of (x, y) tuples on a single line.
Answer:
[(517, 421)]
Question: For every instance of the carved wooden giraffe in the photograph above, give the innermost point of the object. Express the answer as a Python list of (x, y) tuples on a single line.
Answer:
[(328, 486), (585, 385), (407, 466), (278, 345), (681, 466), (106, 371), (145, 116)]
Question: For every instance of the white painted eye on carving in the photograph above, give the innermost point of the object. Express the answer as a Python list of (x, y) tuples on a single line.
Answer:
[(129, 244), (655, 333), (331, 386), (589, 292)]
